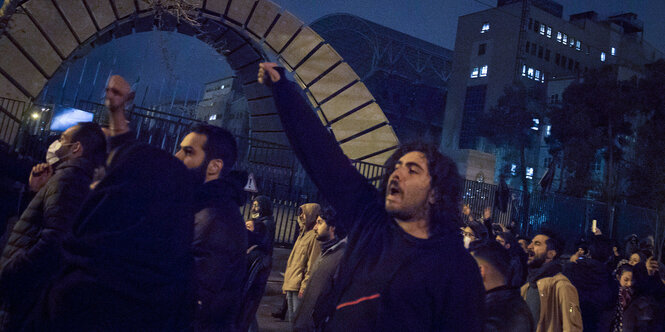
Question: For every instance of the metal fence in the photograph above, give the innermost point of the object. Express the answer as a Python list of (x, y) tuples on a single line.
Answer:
[(11, 112)]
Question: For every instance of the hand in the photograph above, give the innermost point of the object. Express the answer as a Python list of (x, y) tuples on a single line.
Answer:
[(301, 294), (597, 232), (39, 175), (250, 225), (652, 266), (577, 255), (268, 69)]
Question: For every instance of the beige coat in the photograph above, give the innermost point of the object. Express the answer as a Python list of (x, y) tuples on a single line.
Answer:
[(305, 252), (559, 305)]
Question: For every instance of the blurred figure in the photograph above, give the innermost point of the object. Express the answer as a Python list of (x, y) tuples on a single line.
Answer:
[(259, 262), (524, 243), (506, 310), (474, 231), (220, 238), (32, 254), (517, 270), (552, 299), (261, 212), (331, 237), (467, 216), (305, 252)]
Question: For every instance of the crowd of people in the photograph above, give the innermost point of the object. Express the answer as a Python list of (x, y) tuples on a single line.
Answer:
[(121, 236)]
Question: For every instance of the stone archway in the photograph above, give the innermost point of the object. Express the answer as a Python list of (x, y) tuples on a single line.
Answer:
[(42, 34)]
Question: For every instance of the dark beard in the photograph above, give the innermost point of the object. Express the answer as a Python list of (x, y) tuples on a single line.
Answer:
[(537, 262), (198, 174)]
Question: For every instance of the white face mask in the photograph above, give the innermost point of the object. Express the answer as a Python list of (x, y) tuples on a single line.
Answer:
[(54, 154), (467, 241)]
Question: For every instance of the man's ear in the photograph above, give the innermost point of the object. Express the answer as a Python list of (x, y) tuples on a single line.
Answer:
[(215, 167), (551, 253), (77, 147)]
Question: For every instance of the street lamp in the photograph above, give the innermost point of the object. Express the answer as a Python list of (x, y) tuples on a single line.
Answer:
[(35, 115)]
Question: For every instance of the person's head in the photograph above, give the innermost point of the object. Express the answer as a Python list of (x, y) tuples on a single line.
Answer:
[(636, 258), (86, 140), (307, 215), (421, 183), (624, 275), (474, 231), (261, 207), (544, 248), (487, 212), (119, 94), (326, 227), (208, 151), (600, 249), (466, 209), (493, 261), (506, 239)]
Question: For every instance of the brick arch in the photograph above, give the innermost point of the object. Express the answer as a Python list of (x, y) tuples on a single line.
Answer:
[(40, 35)]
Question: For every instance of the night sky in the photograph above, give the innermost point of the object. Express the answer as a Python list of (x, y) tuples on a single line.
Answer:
[(161, 63)]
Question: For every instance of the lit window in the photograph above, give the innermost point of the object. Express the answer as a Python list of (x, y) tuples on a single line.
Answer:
[(513, 169), (542, 29), (542, 78), (529, 73), (565, 39), (213, 117), (222, 87), (523, 70), (613, 51), (537, 75), (485, 28), (572, 42), (483, 71), (474, 72), (536, 122), (549, 32), (529, 172), (548, 130), (578, 45), (559, 36), (602, 56)]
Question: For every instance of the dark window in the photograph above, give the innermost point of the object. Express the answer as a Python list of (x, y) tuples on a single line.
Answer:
[(530, 24), (534, 48), (557, 59), (528, 45), (547, 54), (481, 49), (536, 25), (577, 66), (474, 104), (570, 64), (540, 52), (563, 61)]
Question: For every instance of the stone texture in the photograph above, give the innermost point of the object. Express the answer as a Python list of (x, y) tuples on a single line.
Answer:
[(354, 96), (239, 10), (380, 159), (262, 106), (217, 6), (78, 18), (265, 123), (256, 90), (248, 74), (363, 119), (20, 69), (264, 14), (8, 90), (285, 27), (305, 42), (332, 82), (243, 56), (48, 18), (376, 140), (274, 137), (124, 7), (26, 34), (102, 12), (324, 58)]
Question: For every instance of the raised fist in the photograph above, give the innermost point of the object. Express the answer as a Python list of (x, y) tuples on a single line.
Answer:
[(39, 175)]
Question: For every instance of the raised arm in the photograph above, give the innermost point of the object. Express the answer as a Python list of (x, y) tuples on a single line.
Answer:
[(316, 148)]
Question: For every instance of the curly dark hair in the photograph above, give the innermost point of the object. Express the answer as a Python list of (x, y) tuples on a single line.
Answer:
[(445, 180)]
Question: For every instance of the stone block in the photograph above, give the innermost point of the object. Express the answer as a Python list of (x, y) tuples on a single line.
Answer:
[(217, 6), (102, 12), (256, 90), (262, 106), (380, 158), (249, 73), (124, 7), (231, 41), (49, 19), (332, 82), (303, 44), (376, 140), (8, 90), (324, 58), (26, 34), (272, 137), (78, 18), (286, 26), (360, 120), (243, 56), (264, 14), (265, 123), (20, 69), (239, 10), (349, 99)]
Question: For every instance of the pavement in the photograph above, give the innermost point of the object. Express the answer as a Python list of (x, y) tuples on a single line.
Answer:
[(273, 297)]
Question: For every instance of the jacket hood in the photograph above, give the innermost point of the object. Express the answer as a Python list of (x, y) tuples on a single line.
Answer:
[(312, 211), (265, 205), (230, 187)]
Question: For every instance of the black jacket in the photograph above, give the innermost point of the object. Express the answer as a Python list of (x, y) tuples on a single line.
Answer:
[(594, 286), (220, 242), (32, 254), (128, 265), (388, 280), (507, 311)]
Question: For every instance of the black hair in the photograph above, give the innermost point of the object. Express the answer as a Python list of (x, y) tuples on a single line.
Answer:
[(220, 144), (331, 218), (479, 230), (493, 253), (265, 206), (92, 138), (445, 180), (600, 248), (553, 242)]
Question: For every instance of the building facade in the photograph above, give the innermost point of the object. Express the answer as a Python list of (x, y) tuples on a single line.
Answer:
[(407, 76), (530, 42), (224, 105)]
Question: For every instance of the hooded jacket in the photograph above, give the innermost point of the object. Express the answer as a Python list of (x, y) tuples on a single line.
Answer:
[(266, 236), (220, 241), (559, 304), (593, 282), (305, 251)]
